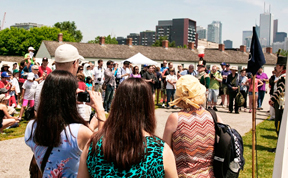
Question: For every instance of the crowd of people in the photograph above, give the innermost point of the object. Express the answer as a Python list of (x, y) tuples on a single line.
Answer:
[(125, 144)]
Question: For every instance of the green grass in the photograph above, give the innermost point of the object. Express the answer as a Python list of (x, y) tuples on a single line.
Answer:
[(14, 132), (266, 139)]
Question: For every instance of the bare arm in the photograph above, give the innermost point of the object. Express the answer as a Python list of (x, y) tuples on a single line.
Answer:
[(83, 170), (169, 162), (261, 83), (170, 128)]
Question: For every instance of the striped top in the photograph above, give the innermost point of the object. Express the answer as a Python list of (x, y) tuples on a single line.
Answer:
[(193, 143)]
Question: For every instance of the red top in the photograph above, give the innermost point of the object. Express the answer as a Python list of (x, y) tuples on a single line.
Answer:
[(42, 70), (251, 84), (82, 85), (2, 84)]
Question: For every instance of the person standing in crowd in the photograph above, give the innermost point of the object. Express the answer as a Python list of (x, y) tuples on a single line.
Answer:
[(163, 66), (150, 78), (215, 79), (110, 85), (171, 86), (44, 69), (277, 99), (273, 87), (15, 89), (5, 68), (233, 83), (114, 152), (158, 84), (58, 126), (190, 71), (249, 82), (99, 76), (14, 67), (80, 70), (29, 57), (135, 72), (81, 81), (225, 72), (202, 76), (124, 72), (4, 83), (145, 67), (87, 70), (180, 69), (35, 71), (183, 137), (243, 87), (29, 89), (6, 119), (261, 90), (89, 84), (164, 74)]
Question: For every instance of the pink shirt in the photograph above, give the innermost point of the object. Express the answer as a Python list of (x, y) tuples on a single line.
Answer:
[(135, 76), (251, 85)]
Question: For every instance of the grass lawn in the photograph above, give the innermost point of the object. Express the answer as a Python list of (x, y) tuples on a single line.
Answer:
[(14, 132), (266, 139)]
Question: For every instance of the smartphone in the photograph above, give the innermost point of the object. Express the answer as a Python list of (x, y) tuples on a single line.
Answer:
[(83, 97)]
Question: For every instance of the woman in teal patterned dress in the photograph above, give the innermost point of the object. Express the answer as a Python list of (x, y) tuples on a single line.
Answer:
[(127, 146)]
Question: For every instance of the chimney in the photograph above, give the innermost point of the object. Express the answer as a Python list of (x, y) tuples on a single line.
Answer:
[(102, 40), (165, 44), (269, 50), (221, 47), (191, 45), (243, 48), (60, 37), (129, 41)]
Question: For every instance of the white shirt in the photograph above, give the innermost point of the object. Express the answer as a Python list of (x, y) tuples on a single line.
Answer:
[(122, 71), (30, 89), (172, 78), (37, 95), (98, 73), (16, 84)]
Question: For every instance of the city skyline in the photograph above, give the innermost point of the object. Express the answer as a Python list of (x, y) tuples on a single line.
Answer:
[(97, 18)]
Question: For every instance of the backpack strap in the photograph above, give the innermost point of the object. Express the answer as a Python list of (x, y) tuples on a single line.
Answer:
[(45, 158)]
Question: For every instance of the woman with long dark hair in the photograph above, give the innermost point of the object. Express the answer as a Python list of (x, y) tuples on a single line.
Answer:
[(59, 125), (135, 72), (126, 146)]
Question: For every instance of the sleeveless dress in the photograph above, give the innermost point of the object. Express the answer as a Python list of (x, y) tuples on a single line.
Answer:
[(193, 143), (151, 166), (64, 159)]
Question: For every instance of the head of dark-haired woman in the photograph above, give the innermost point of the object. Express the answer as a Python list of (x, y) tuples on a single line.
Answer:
[(57, 108), (135, 70), (131, 115)]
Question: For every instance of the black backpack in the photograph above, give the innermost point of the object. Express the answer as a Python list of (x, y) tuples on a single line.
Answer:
[(29, 114), (228, 145)]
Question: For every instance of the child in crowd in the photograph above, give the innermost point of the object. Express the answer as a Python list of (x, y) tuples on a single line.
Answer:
[(89, 85), (29, 88), (249, 82), (15, 89), (81, 83)]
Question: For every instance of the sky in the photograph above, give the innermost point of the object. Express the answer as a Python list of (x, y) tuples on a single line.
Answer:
[(121, 17)]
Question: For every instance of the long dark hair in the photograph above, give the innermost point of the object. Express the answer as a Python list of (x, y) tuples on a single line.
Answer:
[(134, 70), (132, 111), (57, 108)]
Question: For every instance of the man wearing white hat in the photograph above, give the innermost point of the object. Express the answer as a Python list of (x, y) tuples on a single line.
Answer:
[(29, 57), (233, 84)]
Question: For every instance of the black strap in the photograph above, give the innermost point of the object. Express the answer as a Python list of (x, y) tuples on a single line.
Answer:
[(214, 116), (45, 158)]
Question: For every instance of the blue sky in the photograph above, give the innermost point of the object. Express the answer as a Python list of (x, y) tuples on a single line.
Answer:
[(121, 17)]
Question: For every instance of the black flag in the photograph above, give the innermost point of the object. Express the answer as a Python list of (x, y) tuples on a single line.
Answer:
[(256, 57)]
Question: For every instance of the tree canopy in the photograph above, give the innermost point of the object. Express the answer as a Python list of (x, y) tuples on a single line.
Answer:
[(284, 52), (71, 28), (15, 41), (108, 40), (159, 42)]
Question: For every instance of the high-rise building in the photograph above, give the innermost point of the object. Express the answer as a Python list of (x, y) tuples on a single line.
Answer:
[(266, 27), (214, 33), (275, 29), (182, 31), (277, 45), (147, 38), (135, 38), (246, 34), (201, 31), (26, 26), (228, 44), (280, 36), (121, 40)]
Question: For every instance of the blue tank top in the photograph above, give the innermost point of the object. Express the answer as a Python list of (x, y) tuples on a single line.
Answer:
[(150, 166), (64, 159)]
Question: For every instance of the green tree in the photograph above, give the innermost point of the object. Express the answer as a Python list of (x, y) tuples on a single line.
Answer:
[(159, 42), (15, 41), (71, 28), (284, 52), (108, 40), (184, 46)]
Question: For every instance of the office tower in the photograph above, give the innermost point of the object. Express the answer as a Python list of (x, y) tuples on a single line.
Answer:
[(275, 29), (280, 36), (228, 44), (246, 34), (201, 31), (214, 33), (135, 38), (266, 27), (163, 29), (121, 40), (147, 38)]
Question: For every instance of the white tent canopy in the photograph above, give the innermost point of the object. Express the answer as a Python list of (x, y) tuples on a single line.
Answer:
[(140, 59)]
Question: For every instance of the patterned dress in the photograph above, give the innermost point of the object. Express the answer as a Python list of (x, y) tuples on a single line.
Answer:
[(151, 166), (193, 143)]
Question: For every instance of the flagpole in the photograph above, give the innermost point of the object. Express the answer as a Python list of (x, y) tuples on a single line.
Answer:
[(253, 128)]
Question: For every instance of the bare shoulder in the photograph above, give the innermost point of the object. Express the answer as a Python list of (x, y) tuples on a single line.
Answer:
[(172, 122), (84, 132)]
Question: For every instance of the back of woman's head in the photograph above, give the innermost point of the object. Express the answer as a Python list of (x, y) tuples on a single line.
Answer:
[(132, 111), (57, 108)]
